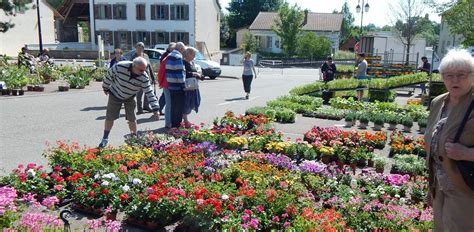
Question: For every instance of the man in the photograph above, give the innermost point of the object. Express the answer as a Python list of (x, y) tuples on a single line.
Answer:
[(426, 67), (122, 82), (139, 52), (117, 57), (176, 77), (361, 73), (165, 96), (328, 69)]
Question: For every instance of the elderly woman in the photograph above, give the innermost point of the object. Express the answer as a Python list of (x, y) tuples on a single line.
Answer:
[(451, 193), (192, 96)]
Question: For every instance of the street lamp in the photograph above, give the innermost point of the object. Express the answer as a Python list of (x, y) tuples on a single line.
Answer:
[(359, 10), (39, 26)]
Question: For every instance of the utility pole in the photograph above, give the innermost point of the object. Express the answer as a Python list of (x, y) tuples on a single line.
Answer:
[(39, 27)]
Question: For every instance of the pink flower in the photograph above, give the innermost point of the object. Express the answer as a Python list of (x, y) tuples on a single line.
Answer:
[(254, 223), (50, 201), (113, 226), (245, 218), (94, 224), (287, 223), (260, 208), (275, 219), (244, 226), (247, 211)]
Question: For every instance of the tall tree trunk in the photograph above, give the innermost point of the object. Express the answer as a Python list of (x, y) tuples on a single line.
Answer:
[(407, 58)]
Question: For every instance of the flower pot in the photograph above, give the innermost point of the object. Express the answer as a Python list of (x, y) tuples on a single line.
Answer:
[(379, 170), (362, 125), (340, 164), (370, 163), (39, 88), (6, 91), (422, 130), (378, 127), (353, 167), (349, 123), (81, 87), (15, 92), (73, 86), (30, 88), (111, 216), (406, 128), (63, 88), (88, 210), (392, 126), (148, 225)]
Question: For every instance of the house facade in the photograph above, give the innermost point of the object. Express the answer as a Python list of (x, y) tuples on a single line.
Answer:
[(322, 24), (25, 30), (446, 39), (122, 24)]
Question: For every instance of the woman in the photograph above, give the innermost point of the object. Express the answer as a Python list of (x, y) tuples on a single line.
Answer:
[(192, 97), (361, 73), (328, 69), (247, 75), (117, 57), (450, 195)]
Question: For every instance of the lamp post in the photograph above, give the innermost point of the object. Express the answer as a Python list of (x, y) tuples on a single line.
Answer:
[(39, 27), (359, 10)]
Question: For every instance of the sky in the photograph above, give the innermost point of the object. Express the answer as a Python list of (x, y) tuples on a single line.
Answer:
[(379, 12)]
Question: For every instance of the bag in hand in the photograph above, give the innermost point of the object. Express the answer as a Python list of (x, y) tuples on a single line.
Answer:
[(191, 84)]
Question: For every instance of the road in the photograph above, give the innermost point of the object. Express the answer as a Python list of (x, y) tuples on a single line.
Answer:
[(29, 122)]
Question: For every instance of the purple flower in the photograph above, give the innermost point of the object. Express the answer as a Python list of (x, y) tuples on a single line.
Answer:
[(281, 161), (245, 218), (50, 201), (311, 167), (113, 226)]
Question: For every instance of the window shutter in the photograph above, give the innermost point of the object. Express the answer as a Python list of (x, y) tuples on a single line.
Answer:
[(124, 11), (186, 38), (172, 12), (96, 11), (167, 37), (137, 12), (186, 12), (167, 12), (129, 44), (153, 12), (173, 37), (115, 11), (109, 11)]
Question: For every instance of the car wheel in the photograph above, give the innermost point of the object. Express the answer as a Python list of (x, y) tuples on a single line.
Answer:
[(213, 77)]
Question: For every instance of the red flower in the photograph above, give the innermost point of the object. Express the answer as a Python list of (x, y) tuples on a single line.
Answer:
[(91, 194), (230, 207), (124, 197), (57, 168), (58, 187), (153, 198), (81, 188), (43, 175), (95, 185), (22, 177), (105, 191)]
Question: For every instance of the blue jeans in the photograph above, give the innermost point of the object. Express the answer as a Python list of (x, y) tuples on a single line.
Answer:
[(166, 91)]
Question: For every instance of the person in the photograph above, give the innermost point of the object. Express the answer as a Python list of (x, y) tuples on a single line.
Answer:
[(328, 69), (426, 67), (165, 99), (176, 77), (117, 57), (139, 51), (247, 75), (45, 58), (192, 97), (451, 197), (122, 82), (25, 58), (361, 73)]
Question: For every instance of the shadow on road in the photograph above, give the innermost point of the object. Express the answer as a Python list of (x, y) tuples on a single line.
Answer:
[(95, 108), (103, 117), (162, 130), (145, 120), (236, 99)]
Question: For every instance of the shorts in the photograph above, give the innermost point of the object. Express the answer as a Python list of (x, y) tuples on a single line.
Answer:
[(114, 105)]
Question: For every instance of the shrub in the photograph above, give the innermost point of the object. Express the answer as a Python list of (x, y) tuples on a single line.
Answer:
[(407, 121), (364, 118), (422, 122)]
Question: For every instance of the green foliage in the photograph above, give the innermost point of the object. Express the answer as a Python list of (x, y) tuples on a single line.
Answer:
[(347, 23), (423, 122), (312, 46), (350, 117), (15, 77), (344, 55), (409, 164), (309, 88), (460, 18), (288, 27), (364, 118), (243, 13), (11, 9), (249, 42), (284, 115), (406, 121)]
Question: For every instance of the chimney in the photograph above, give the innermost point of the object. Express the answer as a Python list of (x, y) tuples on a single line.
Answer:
[(305, 21)]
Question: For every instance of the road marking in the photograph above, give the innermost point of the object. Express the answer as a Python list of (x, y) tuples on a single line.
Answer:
[(234, 101)]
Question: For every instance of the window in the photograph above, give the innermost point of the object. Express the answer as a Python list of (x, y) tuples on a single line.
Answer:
[(179, 12), (160, 37), (106, 36), (103, 11), (141, 12), (277, 43), (142, 36), (160, 12), (122, 39), (180, 37), (269, 42), (120, 11)]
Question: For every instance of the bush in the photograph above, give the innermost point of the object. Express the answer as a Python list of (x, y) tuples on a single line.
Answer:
[(312, 46), (392, 119), (259, 110), (364, 118), (283, 115), (422, 122), (407, 121)]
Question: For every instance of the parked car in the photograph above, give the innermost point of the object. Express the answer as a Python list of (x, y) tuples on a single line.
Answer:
[(153, 54), (209, 68)]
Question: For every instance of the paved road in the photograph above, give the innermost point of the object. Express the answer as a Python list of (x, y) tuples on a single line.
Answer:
[(28, 122)]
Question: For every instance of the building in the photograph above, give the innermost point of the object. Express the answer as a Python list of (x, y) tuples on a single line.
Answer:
[(446, 39), (122, 24), (322, 24), (25, 30)]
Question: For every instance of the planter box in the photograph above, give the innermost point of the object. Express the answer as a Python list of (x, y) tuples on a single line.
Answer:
[(63, 88)]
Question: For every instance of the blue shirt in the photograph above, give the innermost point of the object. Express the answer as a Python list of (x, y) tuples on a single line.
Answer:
[(175, 72), (113, 61)]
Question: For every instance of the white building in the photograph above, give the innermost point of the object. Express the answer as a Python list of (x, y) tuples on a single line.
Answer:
[(25, 30), (447, 40), (322, 24), (124, 23)]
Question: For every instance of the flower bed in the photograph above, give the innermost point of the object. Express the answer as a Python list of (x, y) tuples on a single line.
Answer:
[(208, 187)]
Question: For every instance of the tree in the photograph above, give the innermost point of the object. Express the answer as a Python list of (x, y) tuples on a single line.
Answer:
[(56, 3), (288, 27), (10, 8), (460, 18), (347, 23), (312, 46), (243, 12), (429, 30), (225, 33), (405, 15), (249, 42)]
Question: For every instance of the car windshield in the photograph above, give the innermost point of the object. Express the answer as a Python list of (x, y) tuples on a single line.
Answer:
[(199, 56)]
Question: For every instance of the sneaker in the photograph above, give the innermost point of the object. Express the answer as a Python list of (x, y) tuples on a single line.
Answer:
[(247, 97), (139, 112), (103, 143)]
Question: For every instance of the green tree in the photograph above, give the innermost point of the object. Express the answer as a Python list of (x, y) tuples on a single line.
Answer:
[(460, 18), (288, 27), (243, 12), (56, 3), (12, 8), (312, 46), (225, 33), (249, 42), (347, 23), (405, 15), (428, 29)]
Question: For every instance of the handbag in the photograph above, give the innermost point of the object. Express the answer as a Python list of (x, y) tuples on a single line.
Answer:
[(466, 168), (191, 84)]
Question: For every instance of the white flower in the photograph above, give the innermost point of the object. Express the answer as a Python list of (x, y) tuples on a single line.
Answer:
[(351, 192), (96, 176), (136, 181), (397, 196), (125, 188), (373, 195), (105, 183), (109, 176), (353, 183), (115, 178), (31, 172), (402, 200), (224, 197)]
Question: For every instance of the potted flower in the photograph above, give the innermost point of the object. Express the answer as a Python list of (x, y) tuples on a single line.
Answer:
[(422, 122), (363, 121), (378, 122), (392, 120), (370, 159), (350, 119), (380, 163), (407, 123), (326, 153)]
